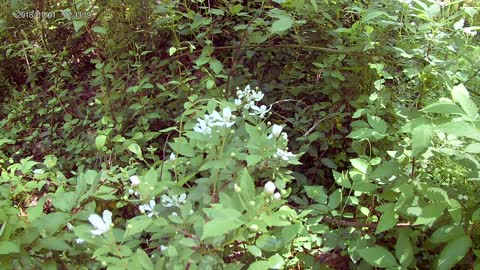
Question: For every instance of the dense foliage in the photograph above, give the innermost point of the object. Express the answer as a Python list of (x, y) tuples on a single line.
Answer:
[(283, 134)]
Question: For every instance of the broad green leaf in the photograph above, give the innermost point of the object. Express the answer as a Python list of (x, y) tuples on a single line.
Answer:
[(210, 84), (460, 128), (283, 23), (8, 247), (378, 257), (461, 95), (364, 187), (314, 5), (386, 169), (335, 199), (404, 249), (446, 234), (421, 137), (214, 164), (100, 141), (183, 148), (473, 148), (136, 225), (269, 243), (361, 164), (254, 250), (247, 185), (99, 30), (388, 219), (253, 159), (429, 214), (317, 193), (274, 262), (329, 163), (144, 259), (223, 221), (453, 253), (289, 232), (135, 148), (216, 65), (377, 123), (341, 179), (77, 25), (53, 243), (443, 107)]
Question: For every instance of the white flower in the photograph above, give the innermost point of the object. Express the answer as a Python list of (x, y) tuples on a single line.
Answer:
[(238, 102), (285, 136), (269, 187), (276, 130), (135, 180), (227, 114), (174, 214), (469, 31), (462, 197), (69, 226), (148, 207), (262, 110), (79, 241), (277, 196), (102, 225), (173, 156), (163, 248), (284, 154), (202, 127), (38, 171), (257, 96), (168, 201)]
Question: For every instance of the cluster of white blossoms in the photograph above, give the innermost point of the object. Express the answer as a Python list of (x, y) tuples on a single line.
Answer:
[(270, 188), (247, 99), (148, 208), (171, 201), (214, 119)]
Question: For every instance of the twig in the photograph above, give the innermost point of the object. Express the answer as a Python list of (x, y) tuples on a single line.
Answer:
[(345, 223), (316, 124)]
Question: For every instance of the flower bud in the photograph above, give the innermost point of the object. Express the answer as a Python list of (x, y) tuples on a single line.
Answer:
[(237, 188), (251, 203), (276, 130), (173, 156), (269, 187), (253, 228), (277, 196), (135, 180)]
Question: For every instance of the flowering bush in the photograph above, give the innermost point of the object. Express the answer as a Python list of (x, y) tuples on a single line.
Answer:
[(217, 200)]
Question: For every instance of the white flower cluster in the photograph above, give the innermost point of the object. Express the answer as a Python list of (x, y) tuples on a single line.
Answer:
[(214, 119), (248, 97), (171, 201), (148, 208), (102, 224)]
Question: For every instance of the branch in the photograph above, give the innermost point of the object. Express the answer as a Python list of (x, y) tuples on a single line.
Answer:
[(345, 223)]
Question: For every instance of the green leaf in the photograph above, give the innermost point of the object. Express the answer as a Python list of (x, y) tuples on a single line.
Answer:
[(386, 169), (135, 148), (144, 259), (269, 243), (223, 221), (183, 148), (8, 247), (421, 136), (453, 253), (77, 25), (443, 107), (473, 148), (210, 84), (216, 65), (314, 5), (377, 123), (461, 95), (404, 249), (388, 219), (99, 30), (284, 23), (53, 243), (254, 250), (335, 199), (253, 159), (361, 164), (247, 185), (446, 234), (100, 141), (429, 214), (341, 179), (137, 224), (317, 193), (460, 128), (378, 257)]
